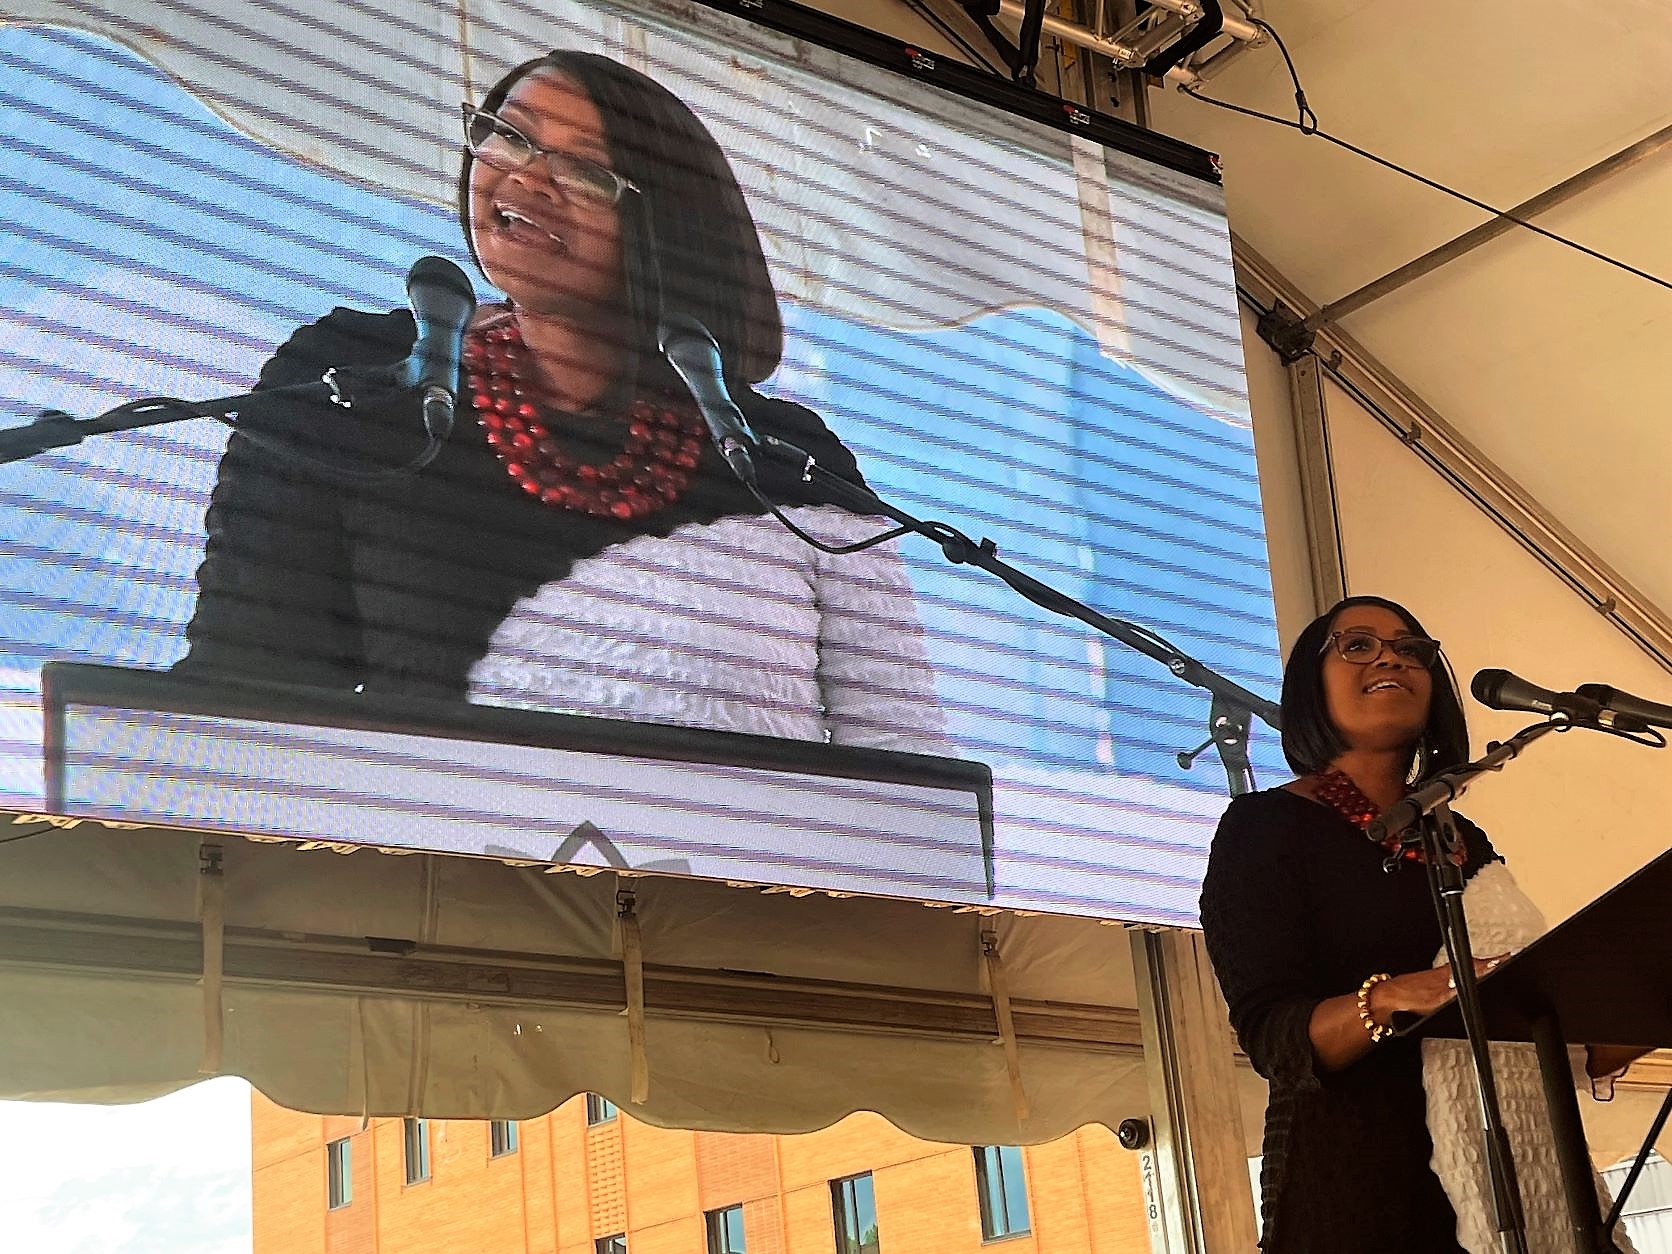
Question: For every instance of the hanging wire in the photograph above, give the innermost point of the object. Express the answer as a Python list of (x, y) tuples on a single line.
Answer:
[(38, 830), (1306, 122), (871, 542)]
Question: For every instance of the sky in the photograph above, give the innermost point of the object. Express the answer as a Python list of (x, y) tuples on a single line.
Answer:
[(169, 1176)]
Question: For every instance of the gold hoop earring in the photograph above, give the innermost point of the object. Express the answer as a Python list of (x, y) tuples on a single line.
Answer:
[(1415, 772)]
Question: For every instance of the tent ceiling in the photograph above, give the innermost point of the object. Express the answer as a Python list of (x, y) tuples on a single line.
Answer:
[(1550, 362)]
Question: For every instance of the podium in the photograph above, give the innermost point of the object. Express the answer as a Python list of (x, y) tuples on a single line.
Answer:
[(423, 775), (1604, 977)]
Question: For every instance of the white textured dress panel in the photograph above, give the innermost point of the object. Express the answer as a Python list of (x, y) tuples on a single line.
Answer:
[(735, 625), (1501, 918)]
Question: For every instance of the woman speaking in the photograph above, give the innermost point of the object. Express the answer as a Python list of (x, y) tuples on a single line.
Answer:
[(578, 544), (1319, 937)]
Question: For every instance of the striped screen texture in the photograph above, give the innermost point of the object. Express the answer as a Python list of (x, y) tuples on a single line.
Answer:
[(1011, 329)]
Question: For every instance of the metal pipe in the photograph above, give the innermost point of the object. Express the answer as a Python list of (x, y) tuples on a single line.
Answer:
[(1085, 37), (1190, 9), (1465, 468), (1074, 33), (1216, 64), (1163, 33), (1486, 231)]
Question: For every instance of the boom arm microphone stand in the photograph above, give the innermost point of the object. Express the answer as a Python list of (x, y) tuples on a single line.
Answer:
[(694, 355), (1423, 820), (1232, 708), (342, 387)]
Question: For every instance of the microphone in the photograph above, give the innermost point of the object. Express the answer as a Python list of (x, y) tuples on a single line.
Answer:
[(1502, 690), (1620, 708), (695, 357), (1411, 808), (443, 303)]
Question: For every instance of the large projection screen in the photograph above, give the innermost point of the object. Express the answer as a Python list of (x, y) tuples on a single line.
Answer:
[(1000, 323)]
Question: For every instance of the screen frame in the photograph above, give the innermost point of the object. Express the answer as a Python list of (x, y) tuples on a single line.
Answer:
[(938, 71)]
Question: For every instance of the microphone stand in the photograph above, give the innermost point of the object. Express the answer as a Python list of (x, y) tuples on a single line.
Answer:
[(346, 387), (1233, 707), (1424, 820)]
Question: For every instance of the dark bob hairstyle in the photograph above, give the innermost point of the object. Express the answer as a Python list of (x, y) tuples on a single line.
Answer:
[(1311, 740), (689, 244)]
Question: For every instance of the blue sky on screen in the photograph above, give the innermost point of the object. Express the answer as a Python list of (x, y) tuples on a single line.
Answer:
[(141, 218), (1136, 504)]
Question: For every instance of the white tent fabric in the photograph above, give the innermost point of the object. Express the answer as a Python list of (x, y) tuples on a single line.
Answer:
[(499, 991), (1550, 362)]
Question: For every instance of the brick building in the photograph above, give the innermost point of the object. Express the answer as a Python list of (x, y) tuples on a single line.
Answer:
[(588, 1180)]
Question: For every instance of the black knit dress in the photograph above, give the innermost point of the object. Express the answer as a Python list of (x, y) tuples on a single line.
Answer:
[(397, 588), (1296, 908)]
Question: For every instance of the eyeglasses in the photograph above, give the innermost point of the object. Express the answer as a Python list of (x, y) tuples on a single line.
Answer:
[(1361, 648), (492, 139)]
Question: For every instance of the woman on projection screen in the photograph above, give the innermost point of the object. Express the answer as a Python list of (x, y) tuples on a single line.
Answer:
[(578, 545)]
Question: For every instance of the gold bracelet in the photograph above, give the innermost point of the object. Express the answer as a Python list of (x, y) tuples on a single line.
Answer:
[(1379, 1032)]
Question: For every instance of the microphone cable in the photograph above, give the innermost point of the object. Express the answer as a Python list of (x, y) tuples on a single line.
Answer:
[(163, 409)]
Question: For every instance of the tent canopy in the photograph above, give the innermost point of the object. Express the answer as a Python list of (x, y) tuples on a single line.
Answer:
[(465, 988), (1548, 362)]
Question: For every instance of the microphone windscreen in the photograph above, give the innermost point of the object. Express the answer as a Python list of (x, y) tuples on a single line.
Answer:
[(1488, 684), (439, 274)]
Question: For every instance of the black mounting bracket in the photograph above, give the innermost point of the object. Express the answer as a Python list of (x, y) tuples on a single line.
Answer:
[(1287, 334)]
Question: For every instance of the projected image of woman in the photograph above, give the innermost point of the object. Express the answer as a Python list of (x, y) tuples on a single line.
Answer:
[(578, 545)]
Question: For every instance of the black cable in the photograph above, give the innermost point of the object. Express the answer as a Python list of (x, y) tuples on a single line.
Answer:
[(771, 507), (40, 830), (1307, 124), (159, 406), (1652, 737), (1302, 110)]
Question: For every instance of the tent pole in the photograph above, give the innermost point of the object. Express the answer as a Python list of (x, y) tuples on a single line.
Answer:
[(1317, 483), (1195, 1167), (1490, 230)]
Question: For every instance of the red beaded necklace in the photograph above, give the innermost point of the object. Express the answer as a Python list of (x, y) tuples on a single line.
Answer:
[(1337, 790), (663, 446)]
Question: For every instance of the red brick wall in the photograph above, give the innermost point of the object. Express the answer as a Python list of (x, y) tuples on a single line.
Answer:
[(568, 1184)]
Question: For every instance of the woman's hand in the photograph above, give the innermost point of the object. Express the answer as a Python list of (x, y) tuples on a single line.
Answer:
[(1420, 992), (1337, 1033)]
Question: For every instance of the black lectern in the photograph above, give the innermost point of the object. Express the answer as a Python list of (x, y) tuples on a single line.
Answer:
[(450, 777), (1604, 977)]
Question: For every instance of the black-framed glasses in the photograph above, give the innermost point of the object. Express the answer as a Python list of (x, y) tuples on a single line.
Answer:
[(1361, 648), (492, 139)]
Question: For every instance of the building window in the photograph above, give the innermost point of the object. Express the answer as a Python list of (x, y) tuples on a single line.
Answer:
[(1002, 1190), (502, 1138), (725, 1230), (417, 1144), (599, 1110), (339, 1173), (853, 1203), (610, 1245)]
